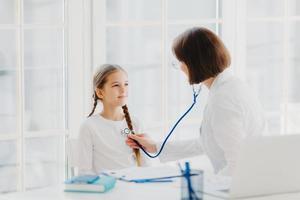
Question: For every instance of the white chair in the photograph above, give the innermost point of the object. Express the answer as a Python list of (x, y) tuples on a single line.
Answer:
[(71, 157)]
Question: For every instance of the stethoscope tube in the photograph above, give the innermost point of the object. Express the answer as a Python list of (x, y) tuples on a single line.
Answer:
[(195, 95)]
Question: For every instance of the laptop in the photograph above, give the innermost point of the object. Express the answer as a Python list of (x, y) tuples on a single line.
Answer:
[(266, 166)]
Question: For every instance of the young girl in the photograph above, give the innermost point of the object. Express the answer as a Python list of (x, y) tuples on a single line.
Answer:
[(102, 136)]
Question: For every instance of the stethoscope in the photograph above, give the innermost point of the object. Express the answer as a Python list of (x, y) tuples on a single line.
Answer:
[(195, 95)]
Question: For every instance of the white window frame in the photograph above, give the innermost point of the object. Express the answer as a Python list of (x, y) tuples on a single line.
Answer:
[(241, 53), (77, 65)]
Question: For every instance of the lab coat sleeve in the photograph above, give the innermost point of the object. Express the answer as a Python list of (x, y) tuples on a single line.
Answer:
[(227, 123), (85, 151), (176, 150)]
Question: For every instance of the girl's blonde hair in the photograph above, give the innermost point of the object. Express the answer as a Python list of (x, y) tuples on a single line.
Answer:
[(99, 79)]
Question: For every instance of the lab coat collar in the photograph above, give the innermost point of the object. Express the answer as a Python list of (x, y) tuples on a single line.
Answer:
[(220, 79)]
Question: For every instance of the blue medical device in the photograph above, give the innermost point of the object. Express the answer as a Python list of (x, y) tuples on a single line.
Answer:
[(195, 95)]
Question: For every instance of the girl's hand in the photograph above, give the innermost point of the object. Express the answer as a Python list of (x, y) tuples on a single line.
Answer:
[(148, 144)]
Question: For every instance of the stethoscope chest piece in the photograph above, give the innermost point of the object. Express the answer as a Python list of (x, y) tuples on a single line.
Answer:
[(126, 131)]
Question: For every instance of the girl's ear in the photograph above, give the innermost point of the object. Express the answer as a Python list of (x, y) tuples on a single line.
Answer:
[(99, 93)]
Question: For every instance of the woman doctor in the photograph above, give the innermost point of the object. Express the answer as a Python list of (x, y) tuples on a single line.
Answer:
[(232, 111)]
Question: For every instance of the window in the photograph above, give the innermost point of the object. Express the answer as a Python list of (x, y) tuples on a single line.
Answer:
[(272, 62), (32, 98)]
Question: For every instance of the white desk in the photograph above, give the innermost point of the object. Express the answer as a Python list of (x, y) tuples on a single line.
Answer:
[(122, 190)]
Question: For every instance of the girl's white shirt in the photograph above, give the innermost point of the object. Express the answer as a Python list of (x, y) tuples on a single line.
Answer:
[(232, 113), (101, 146)]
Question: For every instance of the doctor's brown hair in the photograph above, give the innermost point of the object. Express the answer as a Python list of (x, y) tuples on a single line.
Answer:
[(203, 52)]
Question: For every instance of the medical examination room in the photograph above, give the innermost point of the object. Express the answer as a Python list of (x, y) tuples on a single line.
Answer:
[(149, 99)]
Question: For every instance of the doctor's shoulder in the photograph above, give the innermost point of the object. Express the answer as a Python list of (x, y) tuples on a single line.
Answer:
[(234, 88), (229, 96)]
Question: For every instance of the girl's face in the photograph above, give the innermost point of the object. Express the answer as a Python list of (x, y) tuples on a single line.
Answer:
[(115, 90)]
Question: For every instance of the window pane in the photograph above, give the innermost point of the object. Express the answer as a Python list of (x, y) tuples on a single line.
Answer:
[(264, 67), (294, 7), (133, 10), (43, 48), (44, 161), (145, 92), (43, 63), (133, 46), (138, 50), (8, 166), (266, 8), (43, 99), (43, 11), (8, 81), (293, 81), (191, 9), (8, 11)]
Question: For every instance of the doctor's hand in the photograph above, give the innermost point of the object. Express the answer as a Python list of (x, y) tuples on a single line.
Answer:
[(148, 144)]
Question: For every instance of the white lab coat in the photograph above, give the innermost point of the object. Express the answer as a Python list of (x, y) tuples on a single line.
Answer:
[(232, 113)]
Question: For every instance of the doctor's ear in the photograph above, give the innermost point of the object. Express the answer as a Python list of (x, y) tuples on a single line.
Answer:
[(99, 93)]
